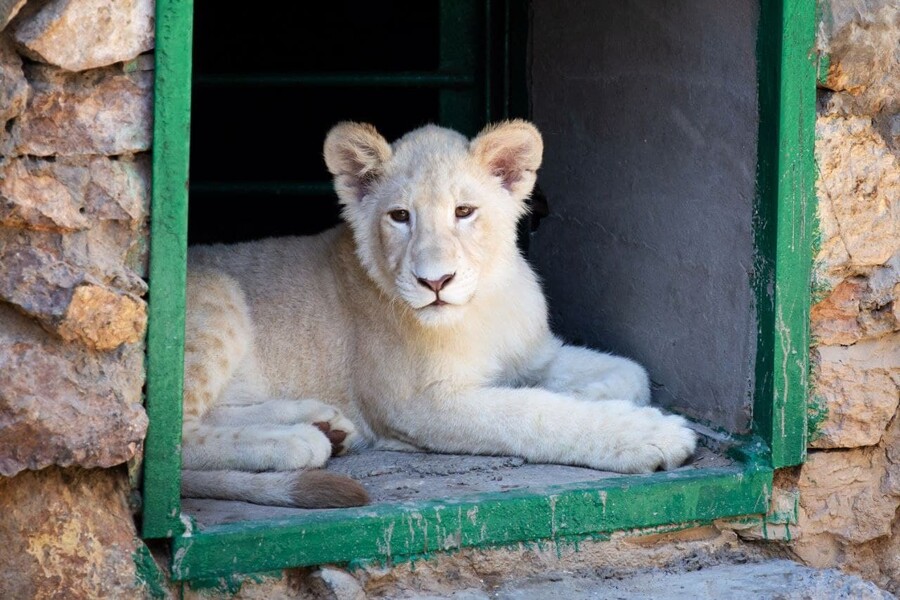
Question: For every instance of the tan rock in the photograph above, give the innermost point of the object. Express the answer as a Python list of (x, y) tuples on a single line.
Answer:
[(103, 111), (860, 38), (859, 198), (37, 201), (37, 282), (860, 388), (841, 494), (63, 405), (834, 320), (107, 200), (877, 561), (67, 301), (86, 34), (338, 584), (858, 308), (73, 193), (67, 534), (878, 314), (895, 307), (841, 527), (13, 86), (8, 10), (103, 319)]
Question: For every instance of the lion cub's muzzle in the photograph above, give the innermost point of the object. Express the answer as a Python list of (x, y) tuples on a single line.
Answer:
[(436, 285)]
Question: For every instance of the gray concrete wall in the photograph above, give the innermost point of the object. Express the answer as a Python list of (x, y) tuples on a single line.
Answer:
[(649, 114)]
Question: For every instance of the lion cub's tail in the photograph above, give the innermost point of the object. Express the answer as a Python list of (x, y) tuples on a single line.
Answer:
[(299, 489)]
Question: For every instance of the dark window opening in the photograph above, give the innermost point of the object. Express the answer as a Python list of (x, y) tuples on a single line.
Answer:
[(649, 115)]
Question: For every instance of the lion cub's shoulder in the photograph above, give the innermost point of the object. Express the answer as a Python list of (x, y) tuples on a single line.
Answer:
[(283, 263)]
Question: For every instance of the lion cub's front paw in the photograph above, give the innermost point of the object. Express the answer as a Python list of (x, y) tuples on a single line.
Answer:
[(339, 430), (659, 442)]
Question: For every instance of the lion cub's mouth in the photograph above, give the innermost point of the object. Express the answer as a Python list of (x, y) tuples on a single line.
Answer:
[(438, 302)]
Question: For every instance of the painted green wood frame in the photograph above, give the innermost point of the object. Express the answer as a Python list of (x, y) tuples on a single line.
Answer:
[(559, 513), (168, 255), (784, 223)]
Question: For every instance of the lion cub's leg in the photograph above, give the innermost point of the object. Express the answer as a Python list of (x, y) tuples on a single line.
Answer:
[(220, 370), (329, 420), (592, 375), (547, 427), (217, 338)]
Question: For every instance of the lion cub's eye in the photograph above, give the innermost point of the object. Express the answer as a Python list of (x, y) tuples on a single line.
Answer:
[(464, 211), (399, 215)]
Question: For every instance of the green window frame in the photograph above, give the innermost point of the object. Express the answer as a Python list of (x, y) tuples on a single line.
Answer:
[(784, 230)]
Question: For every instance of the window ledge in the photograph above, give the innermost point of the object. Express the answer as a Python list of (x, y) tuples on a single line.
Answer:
[(403, 531)]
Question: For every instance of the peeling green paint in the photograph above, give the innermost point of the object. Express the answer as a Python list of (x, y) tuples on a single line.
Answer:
[(149, 575), (816, 414), (819, 289), (403, 532), (784, 224), (168, 255), (822, 67), (232, 583)]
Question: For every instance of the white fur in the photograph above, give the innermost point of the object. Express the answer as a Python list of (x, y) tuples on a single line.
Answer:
[(261, 488), (342, 318)]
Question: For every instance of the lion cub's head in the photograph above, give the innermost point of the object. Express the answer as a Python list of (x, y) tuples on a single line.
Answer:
[(434, 215)]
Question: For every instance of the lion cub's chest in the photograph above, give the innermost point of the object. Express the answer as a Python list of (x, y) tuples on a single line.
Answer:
[(488, 348)]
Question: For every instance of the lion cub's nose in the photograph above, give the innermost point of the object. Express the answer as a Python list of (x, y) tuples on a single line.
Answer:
[(436, 285)]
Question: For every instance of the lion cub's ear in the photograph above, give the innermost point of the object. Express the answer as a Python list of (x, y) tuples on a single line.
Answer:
[(355, 154), (511, 151)]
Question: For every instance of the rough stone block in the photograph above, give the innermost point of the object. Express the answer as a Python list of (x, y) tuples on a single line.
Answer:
[(835, 320), (86, 34), (68, 222), (8, 10), (67, 534), (840, 494), (847, 501), (67, 301), (860, 388), (103, 319), (37, 200), (13, 86), (103, 111), (860, 38), (75, 193), (895, 307), (859, 198), (858, 308), (63, 405)]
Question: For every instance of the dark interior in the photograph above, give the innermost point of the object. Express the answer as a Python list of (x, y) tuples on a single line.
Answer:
[(252, 142), (257, 128), (649, 114)]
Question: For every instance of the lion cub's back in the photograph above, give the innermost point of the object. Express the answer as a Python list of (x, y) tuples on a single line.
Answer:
[(298, 320)]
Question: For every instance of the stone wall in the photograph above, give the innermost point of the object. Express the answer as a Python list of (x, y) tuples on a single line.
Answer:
[(75, 130), (849, 488)]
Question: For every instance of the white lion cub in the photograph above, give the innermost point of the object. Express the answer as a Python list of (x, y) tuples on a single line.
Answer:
[(417, 325)]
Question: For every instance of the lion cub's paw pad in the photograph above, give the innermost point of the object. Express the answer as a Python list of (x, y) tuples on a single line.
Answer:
[(335, 436), (339, 430)]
